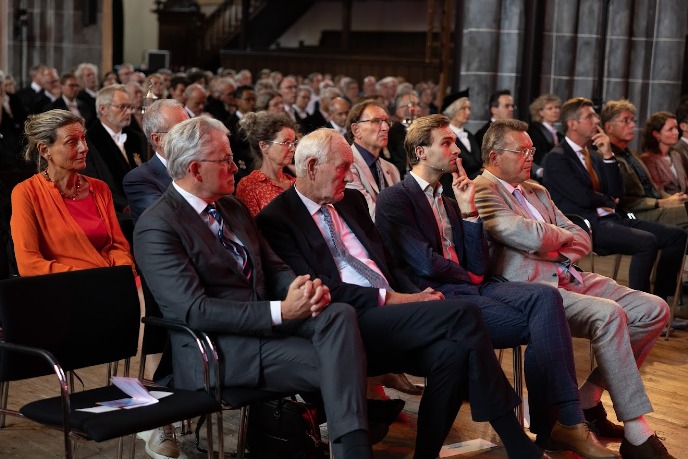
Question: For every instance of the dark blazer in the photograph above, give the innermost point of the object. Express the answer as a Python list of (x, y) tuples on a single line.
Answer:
[(543, 141), (143, 185), (472, 161), (395, 145), (481, 132), (292, 233), (12, 136), (407, 224), (105, 161), (571, 188), (196, 280), (33, 102), (82, 106)]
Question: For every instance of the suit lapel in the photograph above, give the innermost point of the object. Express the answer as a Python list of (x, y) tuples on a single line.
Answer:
[(420, 201), (577, 165), (534, 199), (367, 178)]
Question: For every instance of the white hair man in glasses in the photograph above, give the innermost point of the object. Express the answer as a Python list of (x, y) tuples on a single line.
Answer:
[(368, 125), (532, 241), (208, 266)]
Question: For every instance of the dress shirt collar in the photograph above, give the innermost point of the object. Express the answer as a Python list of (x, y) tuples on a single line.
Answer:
[(93, 94), (506, 185), (312, 206), (458, 131), (197, 203), (162, 160), (239, 114), (110, 131), (338, 128), (36, 87), (367, 156), (683, 139), (426, 187), (576, 148)]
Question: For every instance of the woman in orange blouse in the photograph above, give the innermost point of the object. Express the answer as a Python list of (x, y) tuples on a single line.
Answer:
[(272, 138), (62, 220)]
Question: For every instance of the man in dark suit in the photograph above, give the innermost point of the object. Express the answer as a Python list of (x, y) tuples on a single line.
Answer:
[(589, 183), (207, 265), (114, 149), (322, 229), (501, 108), (143, 185), (69, 101), (87, 76), (12, 117), (451, 256)]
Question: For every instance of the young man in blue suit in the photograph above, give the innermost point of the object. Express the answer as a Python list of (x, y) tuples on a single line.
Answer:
[(443, 243)]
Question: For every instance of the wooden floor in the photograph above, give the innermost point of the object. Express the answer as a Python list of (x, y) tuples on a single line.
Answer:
[(665, 374)]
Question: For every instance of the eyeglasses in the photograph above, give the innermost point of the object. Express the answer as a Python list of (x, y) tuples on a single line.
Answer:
[(286, 144), (123, 107), (527, 153), (626, 121), (227, 160), (376, 122)]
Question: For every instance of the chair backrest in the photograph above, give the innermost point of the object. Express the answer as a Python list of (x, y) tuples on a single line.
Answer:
[(83, 318)]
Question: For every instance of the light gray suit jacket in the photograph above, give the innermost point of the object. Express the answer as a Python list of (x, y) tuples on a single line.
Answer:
[(365, 182), (196, 280), (523, 249)]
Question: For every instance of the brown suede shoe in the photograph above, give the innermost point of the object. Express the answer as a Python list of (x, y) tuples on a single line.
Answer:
[(653, 448), (579, 439)]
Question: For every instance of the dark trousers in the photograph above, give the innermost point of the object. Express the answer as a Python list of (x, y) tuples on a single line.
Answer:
[(518, 313), (446, 342), (642, 240)]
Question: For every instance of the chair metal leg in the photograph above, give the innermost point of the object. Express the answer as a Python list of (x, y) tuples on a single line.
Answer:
[(617, 264), (518, 382), (4, 391), (209, 434), (120, 447), (241, 440), (592, 358), (220, 434), (132, 447)]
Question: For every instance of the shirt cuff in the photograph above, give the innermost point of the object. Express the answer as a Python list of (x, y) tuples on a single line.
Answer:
[(381, 297), (276, 312)]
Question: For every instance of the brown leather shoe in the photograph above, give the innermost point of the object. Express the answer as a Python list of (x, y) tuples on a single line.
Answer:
[(579, 439)]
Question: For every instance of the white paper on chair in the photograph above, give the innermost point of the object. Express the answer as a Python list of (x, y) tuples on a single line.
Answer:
[(132, 387), (465, 447)]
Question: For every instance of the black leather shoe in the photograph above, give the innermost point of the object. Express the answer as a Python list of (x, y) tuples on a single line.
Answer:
[(385, 411), (653, 448), (596, 418)]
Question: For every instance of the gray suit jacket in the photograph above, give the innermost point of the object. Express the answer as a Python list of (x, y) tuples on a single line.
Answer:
[(523, 249), (365, 182), (195, 280)]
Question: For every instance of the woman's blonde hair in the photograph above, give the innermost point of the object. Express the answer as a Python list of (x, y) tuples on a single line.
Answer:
[(42, 128)]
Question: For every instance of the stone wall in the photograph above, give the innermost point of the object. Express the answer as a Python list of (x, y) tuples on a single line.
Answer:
[(643, 50), (56, 35)]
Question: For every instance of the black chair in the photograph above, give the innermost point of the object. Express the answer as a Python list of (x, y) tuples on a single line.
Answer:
[(230, 398), (67, 321)]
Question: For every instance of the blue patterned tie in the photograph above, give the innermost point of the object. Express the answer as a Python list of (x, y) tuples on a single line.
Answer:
[(376, 279), (228, 243)]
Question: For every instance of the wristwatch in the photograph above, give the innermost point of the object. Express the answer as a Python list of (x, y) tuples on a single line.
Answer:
[(469, 214)]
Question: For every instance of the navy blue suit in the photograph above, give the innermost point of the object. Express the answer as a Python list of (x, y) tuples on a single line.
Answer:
[(143, 185), (444, 341), (515, 313), (571, 189)]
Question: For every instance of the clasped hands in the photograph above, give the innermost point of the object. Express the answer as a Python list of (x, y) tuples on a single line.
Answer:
[(305, 298)]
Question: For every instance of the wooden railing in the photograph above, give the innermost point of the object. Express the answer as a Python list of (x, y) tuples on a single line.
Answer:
[(225, 22)]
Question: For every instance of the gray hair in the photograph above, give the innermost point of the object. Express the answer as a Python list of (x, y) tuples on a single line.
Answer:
[(106, 94), (153, 119), (78, 73), (188, 141), (454, 107), (314, 145)]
